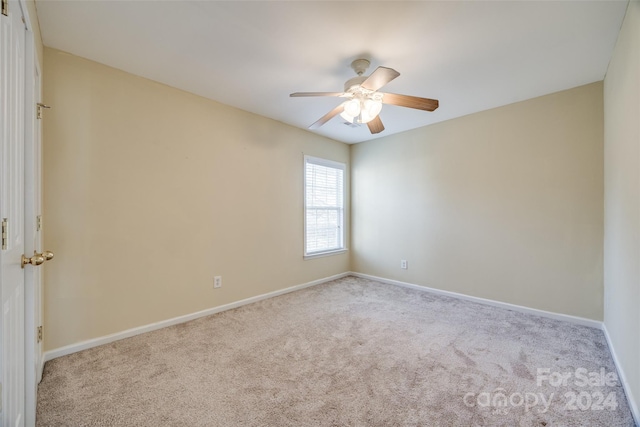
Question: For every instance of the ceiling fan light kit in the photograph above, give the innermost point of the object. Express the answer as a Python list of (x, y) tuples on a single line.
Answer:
[(362, 109), (364, 102)]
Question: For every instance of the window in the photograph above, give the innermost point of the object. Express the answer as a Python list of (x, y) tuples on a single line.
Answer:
[(323, 206)]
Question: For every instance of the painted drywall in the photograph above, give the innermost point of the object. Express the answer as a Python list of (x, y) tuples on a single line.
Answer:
[(622, 201), (506, 204), (150, 192)]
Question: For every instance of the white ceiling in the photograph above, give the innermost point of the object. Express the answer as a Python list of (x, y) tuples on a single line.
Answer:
[(471, 55)]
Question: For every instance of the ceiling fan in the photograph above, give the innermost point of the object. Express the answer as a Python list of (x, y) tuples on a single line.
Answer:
[(364, 102)]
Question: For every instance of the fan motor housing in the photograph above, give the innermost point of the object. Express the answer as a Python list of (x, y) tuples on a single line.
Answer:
[(356, 81)]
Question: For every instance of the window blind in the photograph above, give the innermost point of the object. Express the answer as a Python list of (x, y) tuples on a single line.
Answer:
[(324, 206)]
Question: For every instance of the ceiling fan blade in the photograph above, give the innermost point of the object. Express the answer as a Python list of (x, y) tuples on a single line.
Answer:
[(375, 125), (297, 94), (331, 114), (380, 77), (410, 101)]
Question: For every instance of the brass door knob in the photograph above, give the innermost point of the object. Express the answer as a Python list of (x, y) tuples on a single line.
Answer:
[(37, 258)]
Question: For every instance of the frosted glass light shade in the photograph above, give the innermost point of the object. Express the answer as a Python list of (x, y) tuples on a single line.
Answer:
[(347, 117), (352, 108), (372, 107)]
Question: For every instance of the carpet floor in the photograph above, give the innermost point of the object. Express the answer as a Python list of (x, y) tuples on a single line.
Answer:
[(351, 352)]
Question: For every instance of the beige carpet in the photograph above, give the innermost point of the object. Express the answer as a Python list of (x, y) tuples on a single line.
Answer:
[(347, 353)]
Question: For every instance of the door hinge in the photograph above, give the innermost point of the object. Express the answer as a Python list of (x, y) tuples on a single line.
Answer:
[(40, 333), (38, 222), (5, 7), (5, 233), (40, 106)]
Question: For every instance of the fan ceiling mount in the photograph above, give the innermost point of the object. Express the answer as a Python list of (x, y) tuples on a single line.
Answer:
[(364, 102)]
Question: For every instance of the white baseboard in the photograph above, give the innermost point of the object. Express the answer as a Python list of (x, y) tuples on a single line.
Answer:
[(623, 379), (40, 369), (548, 314), (83, 345), (73, 348)]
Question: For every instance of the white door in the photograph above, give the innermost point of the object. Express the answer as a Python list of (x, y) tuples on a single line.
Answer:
[(33, 237), (12, 353)]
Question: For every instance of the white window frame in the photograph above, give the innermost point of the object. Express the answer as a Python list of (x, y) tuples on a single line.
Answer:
[(331, 164)]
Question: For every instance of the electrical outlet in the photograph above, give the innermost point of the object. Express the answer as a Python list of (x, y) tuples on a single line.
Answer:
[(403, 264), (217, 282)]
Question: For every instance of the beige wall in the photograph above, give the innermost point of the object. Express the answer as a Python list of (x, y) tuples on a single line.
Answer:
[(150, 192), (622, 200), (505, 204)]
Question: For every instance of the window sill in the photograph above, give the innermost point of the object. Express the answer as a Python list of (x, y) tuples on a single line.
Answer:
[(323, 254)]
